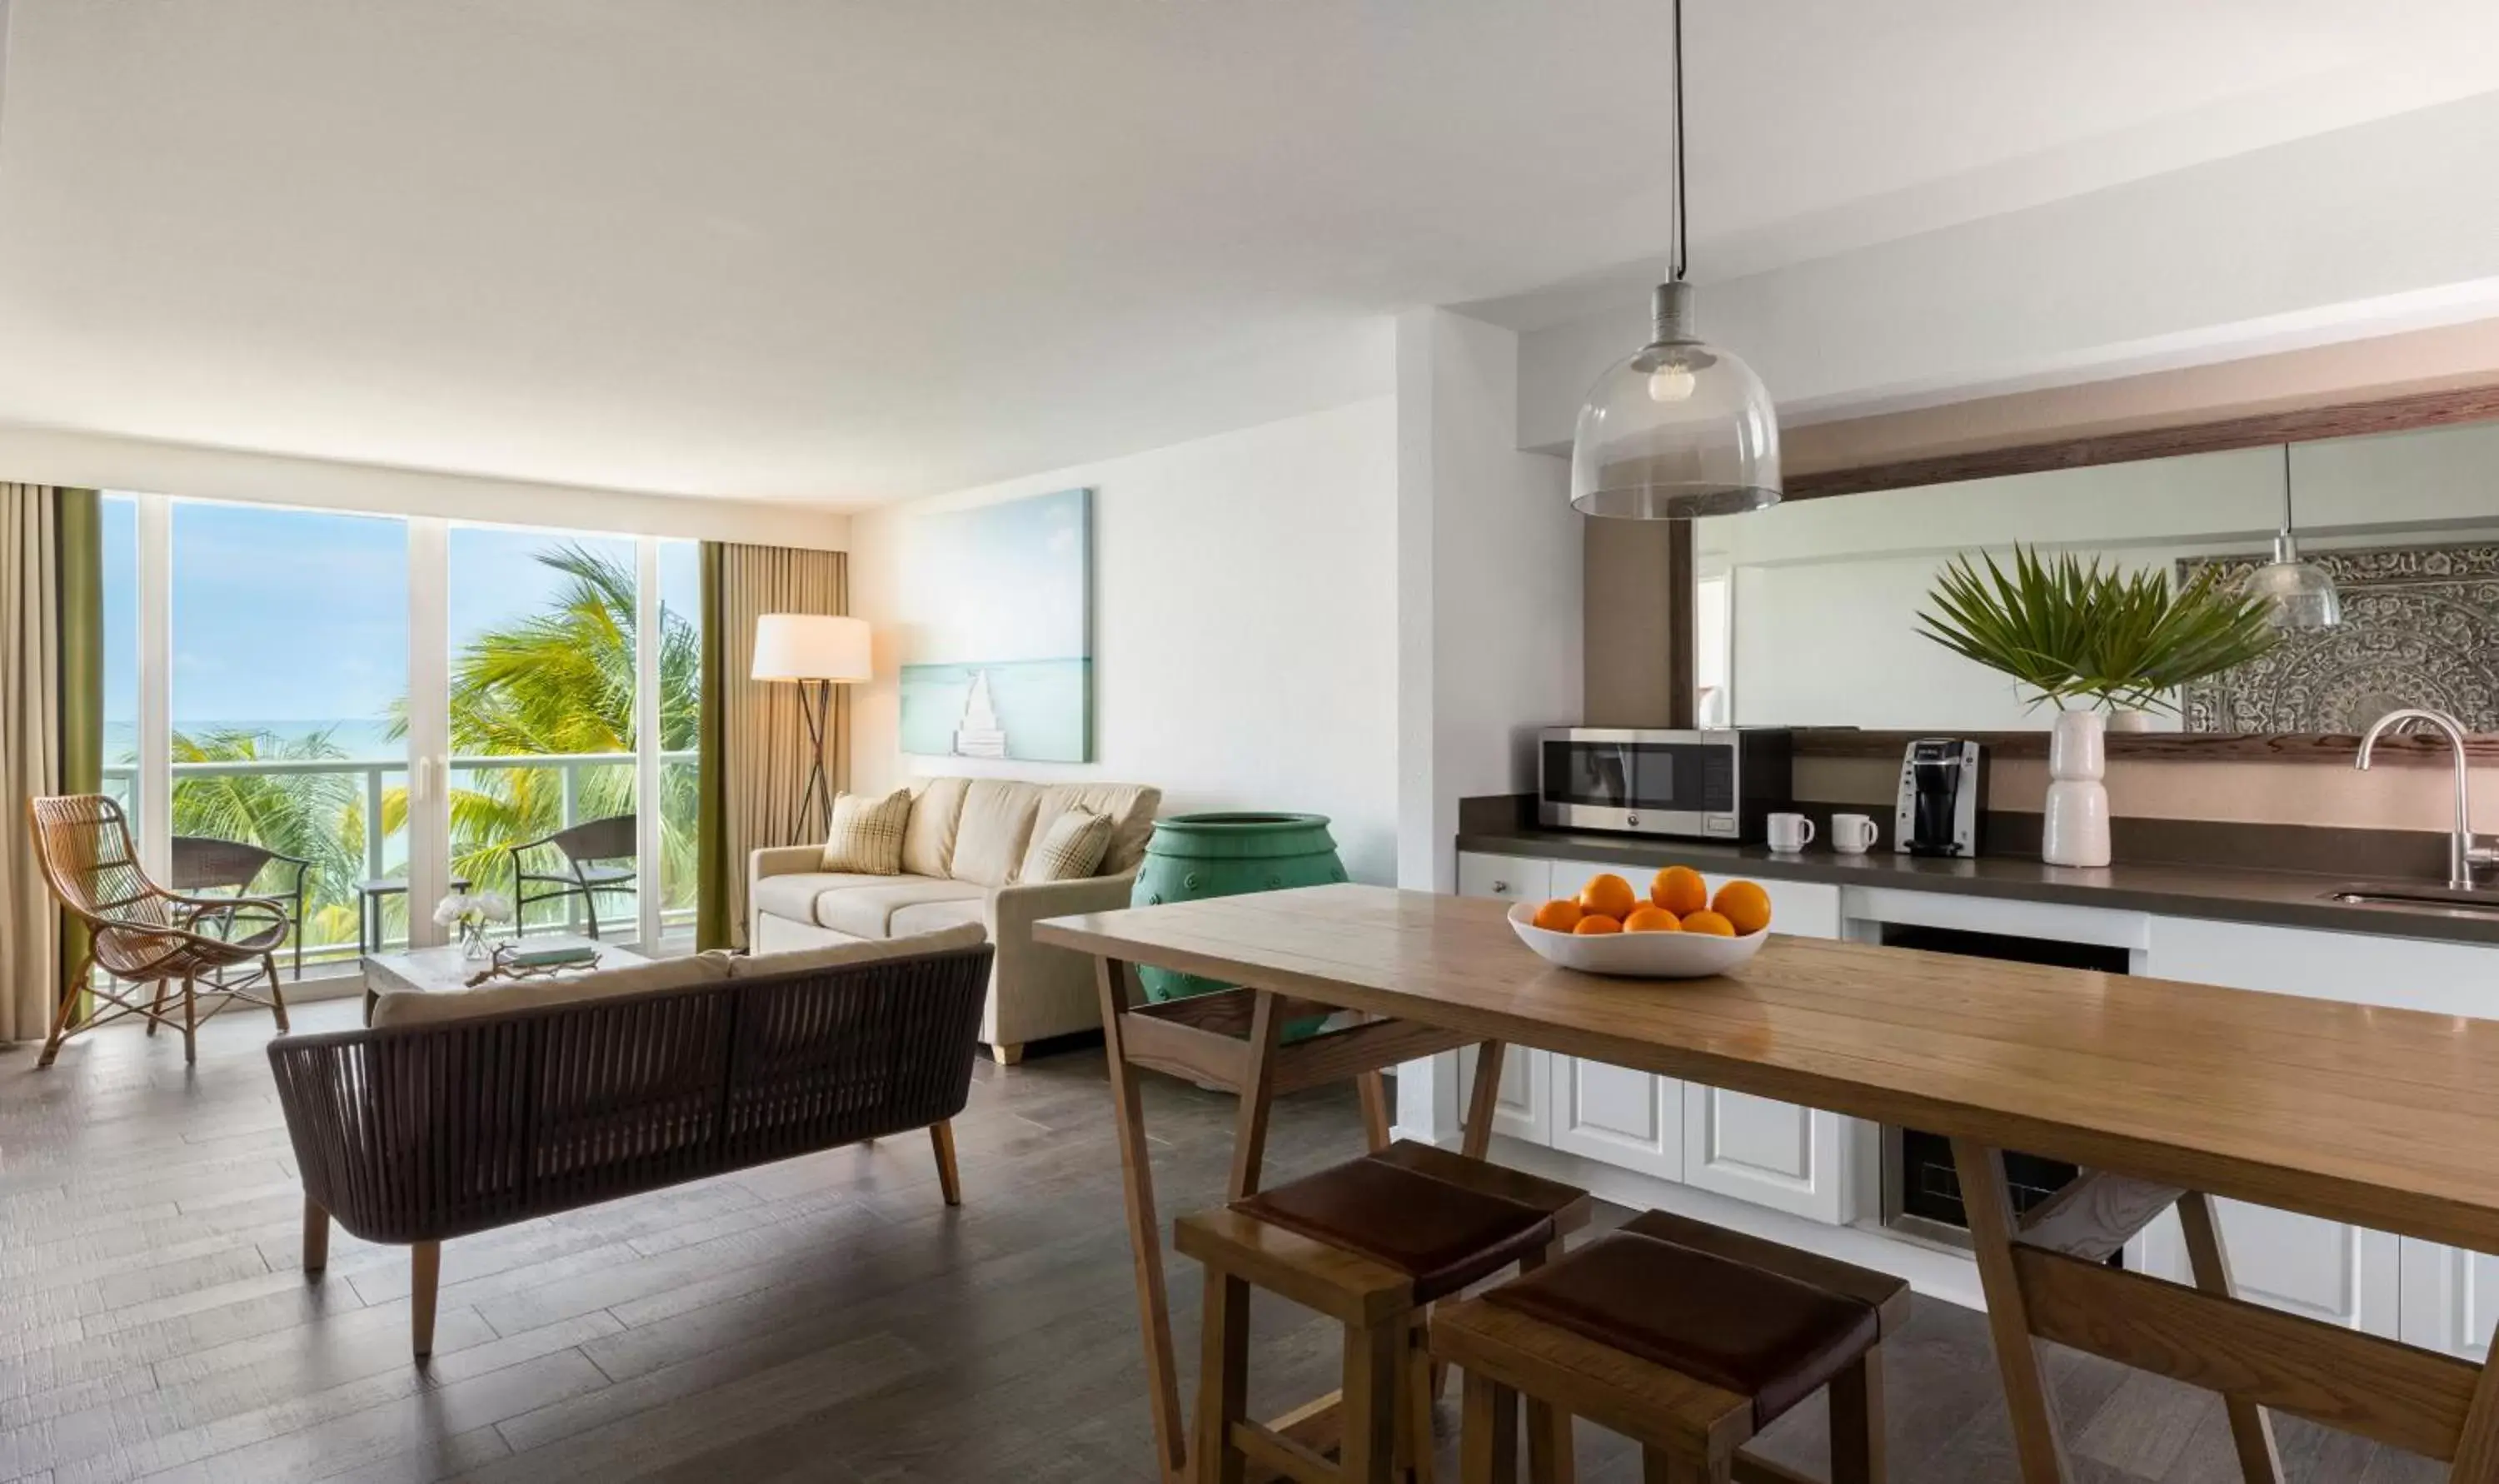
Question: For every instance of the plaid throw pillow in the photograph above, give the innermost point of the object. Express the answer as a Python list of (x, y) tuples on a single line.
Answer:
[(1074, 847), (867, 833)]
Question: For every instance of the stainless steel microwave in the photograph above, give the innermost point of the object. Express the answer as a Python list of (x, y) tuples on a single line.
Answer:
[(1717, 784)]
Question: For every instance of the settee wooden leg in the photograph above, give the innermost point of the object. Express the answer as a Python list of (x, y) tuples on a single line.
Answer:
[(1007, 1052), (316, 1236), (941, 1137), (425, 1274)]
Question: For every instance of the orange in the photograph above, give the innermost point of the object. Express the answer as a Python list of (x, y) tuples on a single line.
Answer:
[(1652, 919), (1558, 916), (1708, 921), (1609, 895), (1745, 904), (1597, 923), (1680, 890)]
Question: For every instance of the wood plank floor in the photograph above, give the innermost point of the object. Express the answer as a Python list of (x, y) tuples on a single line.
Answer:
[(824, 1319)]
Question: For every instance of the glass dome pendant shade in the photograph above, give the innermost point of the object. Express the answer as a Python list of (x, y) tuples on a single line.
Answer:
[(2300, 596), (1680, 429)]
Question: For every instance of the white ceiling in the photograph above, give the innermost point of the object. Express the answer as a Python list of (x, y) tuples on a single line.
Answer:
[(855, 251)]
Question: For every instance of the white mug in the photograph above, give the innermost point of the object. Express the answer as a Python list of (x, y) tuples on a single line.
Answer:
[(1852, 834), (1790, 833)]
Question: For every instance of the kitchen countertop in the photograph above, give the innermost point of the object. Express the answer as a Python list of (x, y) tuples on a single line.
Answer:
[(2220, 893)]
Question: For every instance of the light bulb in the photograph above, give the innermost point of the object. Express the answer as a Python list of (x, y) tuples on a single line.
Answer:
[(1670, 383)]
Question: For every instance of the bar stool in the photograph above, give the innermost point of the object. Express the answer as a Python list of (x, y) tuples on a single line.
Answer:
[(1371, 1244), (1684, 1337)]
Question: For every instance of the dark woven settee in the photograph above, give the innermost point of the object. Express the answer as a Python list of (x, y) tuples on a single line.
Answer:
[(419, 1134)]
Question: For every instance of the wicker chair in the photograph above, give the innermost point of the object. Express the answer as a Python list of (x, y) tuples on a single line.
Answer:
[(142, 934), (583, 848), (204, 864), (417, 1134)]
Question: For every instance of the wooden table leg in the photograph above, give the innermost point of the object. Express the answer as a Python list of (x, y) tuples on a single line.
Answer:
[(1375, 1110), (1145, 1231), (1258, 1097), (2038, 1440), (2251, 1430), (1484, 1099)]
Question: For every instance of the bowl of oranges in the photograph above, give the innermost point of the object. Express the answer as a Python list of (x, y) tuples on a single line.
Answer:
[(1680, 929)]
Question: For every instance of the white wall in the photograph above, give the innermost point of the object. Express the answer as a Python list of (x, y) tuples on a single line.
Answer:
[(2355, 232), (52, 456), (1245, 624), (1490, 567)]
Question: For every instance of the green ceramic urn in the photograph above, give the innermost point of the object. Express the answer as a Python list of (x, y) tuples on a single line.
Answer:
[(1194, 856)]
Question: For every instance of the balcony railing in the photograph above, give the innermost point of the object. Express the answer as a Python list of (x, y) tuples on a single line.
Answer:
[(380, 860)]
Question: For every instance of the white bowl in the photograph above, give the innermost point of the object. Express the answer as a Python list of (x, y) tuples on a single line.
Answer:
[(1636, 956)]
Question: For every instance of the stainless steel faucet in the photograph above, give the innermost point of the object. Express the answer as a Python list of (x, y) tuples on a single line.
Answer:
[(2464, 850)]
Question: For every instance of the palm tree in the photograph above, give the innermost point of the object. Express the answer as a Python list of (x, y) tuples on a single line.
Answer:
[(320, 817), (562, 681)]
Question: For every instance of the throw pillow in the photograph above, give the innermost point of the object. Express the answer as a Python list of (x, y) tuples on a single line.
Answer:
[(866, 836), (1073, 849)]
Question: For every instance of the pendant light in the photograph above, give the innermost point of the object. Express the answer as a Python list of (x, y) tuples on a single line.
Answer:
[(1681, 428), (2300, 596)]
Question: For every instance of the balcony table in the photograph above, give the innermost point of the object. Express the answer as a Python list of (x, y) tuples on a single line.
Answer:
[(2165, 1093)]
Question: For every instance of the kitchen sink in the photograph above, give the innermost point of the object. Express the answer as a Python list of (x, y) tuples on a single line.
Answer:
[(2416, 896)]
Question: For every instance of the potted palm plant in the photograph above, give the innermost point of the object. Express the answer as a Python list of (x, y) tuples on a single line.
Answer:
[(2090, 639)]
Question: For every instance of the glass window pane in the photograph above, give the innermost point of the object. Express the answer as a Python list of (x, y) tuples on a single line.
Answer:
[(680, 730), (290, 671), (542, 666)]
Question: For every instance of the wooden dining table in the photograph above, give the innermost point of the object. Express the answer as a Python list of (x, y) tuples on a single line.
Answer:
[(2166, 1094)]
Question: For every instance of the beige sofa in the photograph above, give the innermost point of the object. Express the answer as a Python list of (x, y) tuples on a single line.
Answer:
[(964, 854)]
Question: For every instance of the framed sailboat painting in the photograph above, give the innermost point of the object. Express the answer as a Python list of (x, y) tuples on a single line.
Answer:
[(1001, 631)]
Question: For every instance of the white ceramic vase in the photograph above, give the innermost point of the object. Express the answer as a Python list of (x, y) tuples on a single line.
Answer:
[(2076, 828)]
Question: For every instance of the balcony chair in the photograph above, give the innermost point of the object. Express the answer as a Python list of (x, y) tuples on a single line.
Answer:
[(139, 933), (204, 866), (584, 847)]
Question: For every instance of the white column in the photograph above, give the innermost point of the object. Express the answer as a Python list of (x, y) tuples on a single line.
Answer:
[(429, 727), (155, 822), (646, 737)]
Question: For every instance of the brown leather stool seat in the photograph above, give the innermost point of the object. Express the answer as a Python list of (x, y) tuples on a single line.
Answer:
[(1689, 1338), (1372, 1242)]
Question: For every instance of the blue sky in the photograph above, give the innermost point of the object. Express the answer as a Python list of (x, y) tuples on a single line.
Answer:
[(296, 615)]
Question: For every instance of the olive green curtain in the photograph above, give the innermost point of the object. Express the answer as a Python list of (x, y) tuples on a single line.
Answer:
[(51, 722), (754, 762)]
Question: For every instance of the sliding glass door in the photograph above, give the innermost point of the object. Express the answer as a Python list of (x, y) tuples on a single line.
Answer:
[(388, 705)]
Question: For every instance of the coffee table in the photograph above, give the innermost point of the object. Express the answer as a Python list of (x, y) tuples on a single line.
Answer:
[(436, 970)]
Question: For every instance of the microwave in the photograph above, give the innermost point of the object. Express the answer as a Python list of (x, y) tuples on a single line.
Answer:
[(1715, 785)]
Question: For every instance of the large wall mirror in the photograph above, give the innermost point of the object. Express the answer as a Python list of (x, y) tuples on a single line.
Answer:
[(1805, 615)]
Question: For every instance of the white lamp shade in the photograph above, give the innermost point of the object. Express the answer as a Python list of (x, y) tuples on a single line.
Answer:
[(811, 646)]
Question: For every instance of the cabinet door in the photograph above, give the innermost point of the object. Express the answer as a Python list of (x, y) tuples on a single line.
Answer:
[(1621, 1117), (1524, 1108), (1771, 1153), (1511, 878), (2333, 1270), (2451, 1298)]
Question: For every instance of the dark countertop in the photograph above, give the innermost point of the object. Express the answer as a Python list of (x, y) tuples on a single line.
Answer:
[(2220, 893)]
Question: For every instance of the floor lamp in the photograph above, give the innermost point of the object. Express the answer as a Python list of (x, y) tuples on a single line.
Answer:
[(817, 651)]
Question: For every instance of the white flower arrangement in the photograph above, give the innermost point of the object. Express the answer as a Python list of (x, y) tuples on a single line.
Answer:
[(472, 910)]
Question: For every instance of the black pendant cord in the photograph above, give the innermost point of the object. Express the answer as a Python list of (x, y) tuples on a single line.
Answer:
[(812, 820), (2285, 489), (1683, 215)]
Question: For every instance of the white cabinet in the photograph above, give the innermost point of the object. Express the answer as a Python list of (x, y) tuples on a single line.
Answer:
[(1776, 1154), (1621, 1117), (2332, 1270), (1511, 878), (2451, 1298)]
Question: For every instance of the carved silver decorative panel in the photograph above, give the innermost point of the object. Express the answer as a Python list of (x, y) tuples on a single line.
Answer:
[(2420, 627)]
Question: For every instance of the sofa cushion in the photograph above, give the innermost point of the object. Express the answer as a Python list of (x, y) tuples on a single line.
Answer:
[(929, 840), (793, 896), (867, 833), (1069, 848), (433, 1006), (997, 823), (868, 912), (947, 940), (936, 916), (1131, 806)]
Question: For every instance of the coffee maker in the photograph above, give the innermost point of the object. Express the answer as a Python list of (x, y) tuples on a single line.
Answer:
[(1943, 795)]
